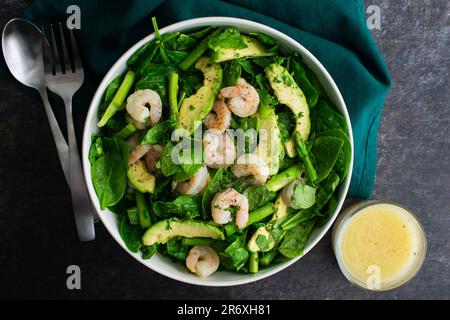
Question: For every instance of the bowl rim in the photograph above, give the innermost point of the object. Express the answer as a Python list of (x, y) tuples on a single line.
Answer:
[(181, 26)]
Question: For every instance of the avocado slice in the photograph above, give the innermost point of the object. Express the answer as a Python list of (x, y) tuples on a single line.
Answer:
[(196, 107), (164, 230), (289, 94), (140, 177), (280, 209), (269, 146), (265, 231), (291, 148), (254, 49)]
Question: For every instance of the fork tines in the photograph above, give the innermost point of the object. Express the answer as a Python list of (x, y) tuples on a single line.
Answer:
[(70, 62)]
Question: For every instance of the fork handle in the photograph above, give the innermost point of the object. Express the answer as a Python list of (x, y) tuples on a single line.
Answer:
[(80, 197)]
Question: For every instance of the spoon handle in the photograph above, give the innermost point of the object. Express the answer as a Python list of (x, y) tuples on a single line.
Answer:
[(61, 145)]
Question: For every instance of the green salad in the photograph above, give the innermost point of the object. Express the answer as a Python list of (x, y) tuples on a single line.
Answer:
[(218, 151)]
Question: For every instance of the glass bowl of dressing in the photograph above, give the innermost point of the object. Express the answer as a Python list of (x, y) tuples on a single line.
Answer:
[(379, 245)]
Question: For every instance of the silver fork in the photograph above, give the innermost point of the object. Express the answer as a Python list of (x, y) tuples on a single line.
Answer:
[(65, 78)]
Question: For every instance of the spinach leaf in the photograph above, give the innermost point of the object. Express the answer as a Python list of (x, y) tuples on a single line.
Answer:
[(188, 159), (117, 122), (109, 172), (148, 58), (201, 33), (266, 98), (293, 220), (329, 210), (96, 149), (190, 82), (109, 179), (161, 188), (229, 38), (175, 56), (329, 117), (182, 42), (286, 123), (239, 184), (311, 93), (121, 207), (295, 240), (148, 251), (231, 73), (131, 234), (271, 44), (160, 133), (138, 54), (116, 145), (326, 151), (326, 190), (248, 67), (236, 252), (133, 216), (187, 171), (155, 77), (176, 249), (343, 162), (262, 62), (168, 168), (287, 162), (248, 138), (185, 207), (258, 196), (112, 88)]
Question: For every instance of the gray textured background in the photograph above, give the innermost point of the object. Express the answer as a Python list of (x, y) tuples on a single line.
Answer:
[(413, 169)]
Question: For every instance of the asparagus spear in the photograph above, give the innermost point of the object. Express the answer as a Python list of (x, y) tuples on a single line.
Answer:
[(303, 152), (119, 98), (173, 92), (253, 217), (197, 52), (284, 178)]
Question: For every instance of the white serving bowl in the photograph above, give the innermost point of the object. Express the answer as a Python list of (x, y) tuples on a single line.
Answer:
[(164, 265)]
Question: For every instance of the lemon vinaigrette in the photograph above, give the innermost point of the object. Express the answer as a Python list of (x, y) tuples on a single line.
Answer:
[(379, 245)]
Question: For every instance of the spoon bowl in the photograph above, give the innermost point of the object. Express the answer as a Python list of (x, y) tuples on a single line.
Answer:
[(22, 49)]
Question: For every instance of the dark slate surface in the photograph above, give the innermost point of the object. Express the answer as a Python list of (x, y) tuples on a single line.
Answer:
[(37, 235)]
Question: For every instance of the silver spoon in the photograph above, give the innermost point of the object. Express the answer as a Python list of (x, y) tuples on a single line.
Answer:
[(22, 49)]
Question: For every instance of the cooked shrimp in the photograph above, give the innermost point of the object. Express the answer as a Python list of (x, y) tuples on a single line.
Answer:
[(133, 140), (152, 156), (220, 119), (242, 99), (152, 153), (145, 106), (250, 164), (202, 260), (220, 207), (219, 149), (138, 152), (196, 184)]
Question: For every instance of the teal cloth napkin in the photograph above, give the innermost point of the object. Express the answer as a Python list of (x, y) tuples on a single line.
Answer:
[(334, 31)]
